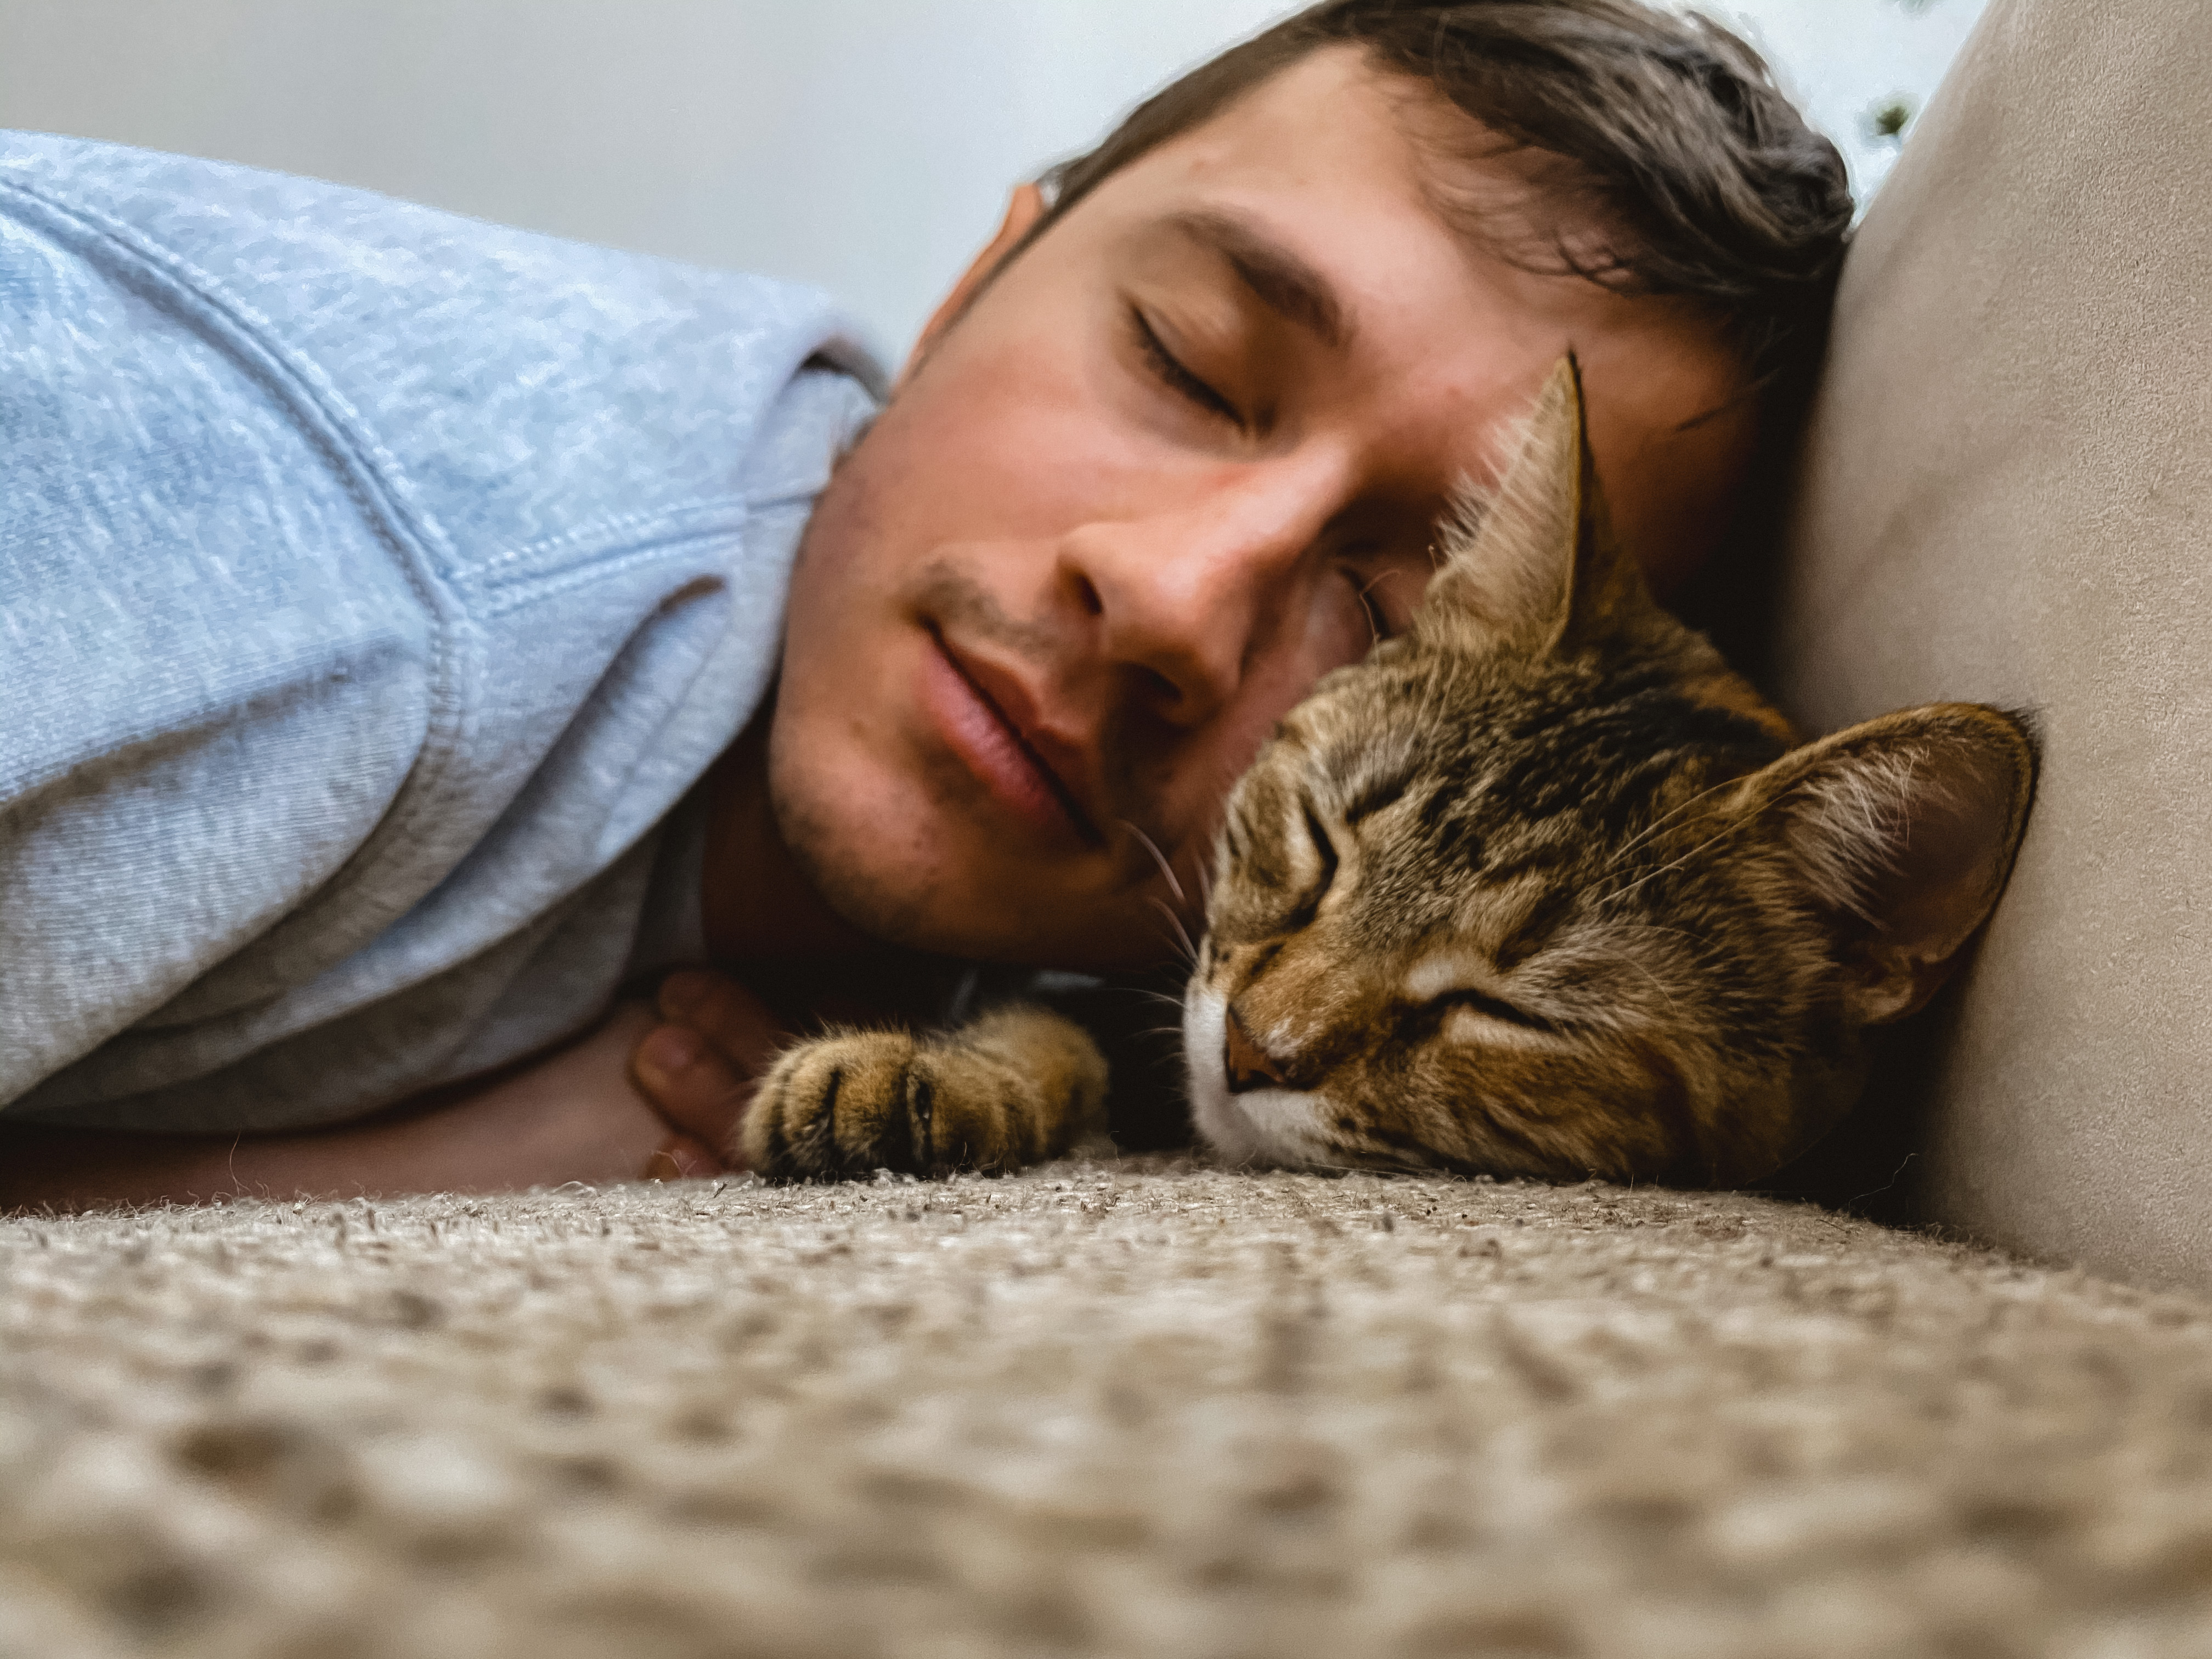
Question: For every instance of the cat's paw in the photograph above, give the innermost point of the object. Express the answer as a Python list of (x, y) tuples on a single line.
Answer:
[(860, 1101), (841, 1105)]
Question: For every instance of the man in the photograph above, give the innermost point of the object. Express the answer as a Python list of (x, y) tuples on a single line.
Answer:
[(1175, 446)]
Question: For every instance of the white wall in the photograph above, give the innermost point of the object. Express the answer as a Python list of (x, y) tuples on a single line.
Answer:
[(1837, 59), (865, 144)]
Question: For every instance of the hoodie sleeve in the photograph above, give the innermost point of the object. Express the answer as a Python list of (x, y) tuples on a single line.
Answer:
[(217, 669)]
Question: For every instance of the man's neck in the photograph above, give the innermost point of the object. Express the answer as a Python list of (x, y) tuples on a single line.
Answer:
[(766, 924), (755, 903)]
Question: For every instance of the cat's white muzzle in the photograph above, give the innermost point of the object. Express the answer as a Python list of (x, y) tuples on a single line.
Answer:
[(1258, 1125)]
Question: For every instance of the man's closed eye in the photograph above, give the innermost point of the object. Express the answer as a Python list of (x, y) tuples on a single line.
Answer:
[(1174, 374)]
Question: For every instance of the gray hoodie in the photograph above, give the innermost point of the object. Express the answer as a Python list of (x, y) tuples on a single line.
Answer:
[(373, 584)]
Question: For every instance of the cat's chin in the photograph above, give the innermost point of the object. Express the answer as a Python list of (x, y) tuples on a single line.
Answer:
[(1279, 1127)]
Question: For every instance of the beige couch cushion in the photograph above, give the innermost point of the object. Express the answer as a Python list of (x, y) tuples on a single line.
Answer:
[(2008, 498)]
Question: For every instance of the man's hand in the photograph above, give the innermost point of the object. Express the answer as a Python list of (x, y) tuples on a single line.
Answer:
[(699, 1067)]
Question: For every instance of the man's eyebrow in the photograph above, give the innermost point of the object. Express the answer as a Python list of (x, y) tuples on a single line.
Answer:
[(1279, 277)]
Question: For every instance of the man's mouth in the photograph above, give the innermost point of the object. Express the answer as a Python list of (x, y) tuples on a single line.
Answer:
[(996, 748)]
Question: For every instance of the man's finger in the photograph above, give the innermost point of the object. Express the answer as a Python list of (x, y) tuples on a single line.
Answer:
[(691, 1084), (731, 1018)]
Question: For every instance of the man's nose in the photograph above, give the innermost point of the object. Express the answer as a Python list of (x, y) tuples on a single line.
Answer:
[(1185, 600)]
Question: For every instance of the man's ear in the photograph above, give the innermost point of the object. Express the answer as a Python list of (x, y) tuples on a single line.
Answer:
[(1024, 208), (1903, 830), (1533, 566)]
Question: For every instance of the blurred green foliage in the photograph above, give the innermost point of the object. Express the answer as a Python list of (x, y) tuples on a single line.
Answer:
[(1887, 118)]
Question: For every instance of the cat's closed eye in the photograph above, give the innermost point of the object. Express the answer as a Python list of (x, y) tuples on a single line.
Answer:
[(1490, 1007), (1325, 850), (1454, 981), (1301, 860)]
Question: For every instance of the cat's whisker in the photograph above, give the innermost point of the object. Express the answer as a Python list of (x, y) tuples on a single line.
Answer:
[(1676, 864), (1657, 984), (1374, 632), (1666, 818), (1201, 879), (1190, 951), (1642, 926), (1158, 858), (1671, 864)]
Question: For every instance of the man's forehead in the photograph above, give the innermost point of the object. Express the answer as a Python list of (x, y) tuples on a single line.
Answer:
[(1336, 142), (1329, 123), (1332, 164)]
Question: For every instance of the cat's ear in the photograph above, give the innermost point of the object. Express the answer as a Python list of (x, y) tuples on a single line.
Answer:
[(1534, 566), (1903, 830)]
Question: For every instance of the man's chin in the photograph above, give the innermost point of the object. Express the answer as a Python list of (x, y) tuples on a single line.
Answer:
[(898, 893), (937, 913), (932, 885)]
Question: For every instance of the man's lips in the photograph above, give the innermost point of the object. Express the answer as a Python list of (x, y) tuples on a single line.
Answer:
[(978, 710)]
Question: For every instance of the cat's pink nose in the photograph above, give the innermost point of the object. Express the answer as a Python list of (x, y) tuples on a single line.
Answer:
[(1247, 1064)]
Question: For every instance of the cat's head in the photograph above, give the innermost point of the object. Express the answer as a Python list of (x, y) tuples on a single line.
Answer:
[(1542, 888)]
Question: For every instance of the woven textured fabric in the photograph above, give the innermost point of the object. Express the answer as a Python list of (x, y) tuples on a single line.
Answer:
[(2008, 498)]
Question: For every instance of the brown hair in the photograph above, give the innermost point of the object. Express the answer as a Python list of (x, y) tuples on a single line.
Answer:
[(1671, 135)]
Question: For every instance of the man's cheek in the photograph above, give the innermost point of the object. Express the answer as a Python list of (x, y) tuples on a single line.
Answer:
[(833, 559), (1022, 461)]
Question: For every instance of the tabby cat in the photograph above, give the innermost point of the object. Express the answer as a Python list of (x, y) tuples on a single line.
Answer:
[(1540, 889)]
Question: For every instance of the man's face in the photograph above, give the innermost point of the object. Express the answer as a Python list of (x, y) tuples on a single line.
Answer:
[(1183, 457)]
